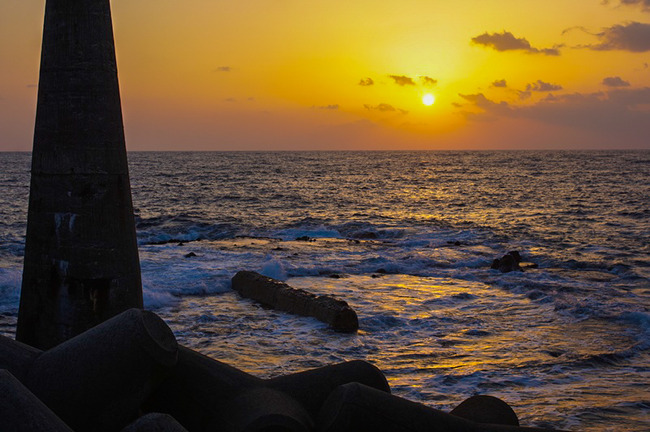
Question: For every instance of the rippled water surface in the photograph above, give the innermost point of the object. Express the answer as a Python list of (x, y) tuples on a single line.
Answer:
[(407, 238)]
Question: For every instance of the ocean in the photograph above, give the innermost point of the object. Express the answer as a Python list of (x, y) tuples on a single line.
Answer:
[(407, 239)]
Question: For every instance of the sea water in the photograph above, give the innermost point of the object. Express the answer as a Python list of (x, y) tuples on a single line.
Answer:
[(407, 239)]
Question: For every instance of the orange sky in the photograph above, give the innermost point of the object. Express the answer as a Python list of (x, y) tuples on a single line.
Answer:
[(318, 75)]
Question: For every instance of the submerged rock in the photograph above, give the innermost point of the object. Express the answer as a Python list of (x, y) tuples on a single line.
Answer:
[(365, 235), (509, 262)]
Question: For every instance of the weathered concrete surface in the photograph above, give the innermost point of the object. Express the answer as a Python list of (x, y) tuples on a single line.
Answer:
[(278, 295), (155, 422), (97, 381), (486, 409), (81, 258), (204, 394), (17, 357), (263, 409), (313, 387), (197, 389), (21, 411), (357, 408)]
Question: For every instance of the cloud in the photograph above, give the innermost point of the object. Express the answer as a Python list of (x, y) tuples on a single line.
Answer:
[(506, 41), (366, 82), (384, 107), (615, 82), (618, 114), (524, 94), (327, 107), (541, 86), (402, 80), (428, 81), (500, 83), (223, 69), (632, 36), (486, 104), (645, 4)]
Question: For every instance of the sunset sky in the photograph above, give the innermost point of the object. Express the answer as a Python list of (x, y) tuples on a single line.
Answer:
[(319, 75)]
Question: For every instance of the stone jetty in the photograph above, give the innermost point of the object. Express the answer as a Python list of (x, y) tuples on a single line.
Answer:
[(278, 295)]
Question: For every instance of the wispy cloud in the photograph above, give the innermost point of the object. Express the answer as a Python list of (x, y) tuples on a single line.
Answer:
[(366, 82), (615, 82), (223, 69), (506, 41), (632, 36), (327, 107), (384, 107), (644, 4), (428, 81), (500, 83), (402, 80), (541, 86)]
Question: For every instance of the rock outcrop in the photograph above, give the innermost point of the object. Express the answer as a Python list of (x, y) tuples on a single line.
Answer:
[(509, 262)]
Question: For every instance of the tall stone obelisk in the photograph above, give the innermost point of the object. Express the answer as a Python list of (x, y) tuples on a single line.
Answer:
[(81, 258)]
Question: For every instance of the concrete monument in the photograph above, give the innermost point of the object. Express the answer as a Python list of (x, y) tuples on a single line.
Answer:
[(81, 259)]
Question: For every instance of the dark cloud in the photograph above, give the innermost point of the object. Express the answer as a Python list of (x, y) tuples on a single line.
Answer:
[(500, 83), (615, 82), (428, 81), (633, 37), (618, 114), (366, 82), (223, 69), (486, 104), (327, 107), (402, 80), (541, 86), (525, 94), (645, 4), (506, 41)]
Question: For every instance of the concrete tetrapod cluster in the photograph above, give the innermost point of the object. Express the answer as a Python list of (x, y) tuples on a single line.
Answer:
[(129, 374)]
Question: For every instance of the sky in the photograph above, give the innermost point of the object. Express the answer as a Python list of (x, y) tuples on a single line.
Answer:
[(352, 74)]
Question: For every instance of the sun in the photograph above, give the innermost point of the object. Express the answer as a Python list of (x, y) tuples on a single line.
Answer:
[(428, 99)]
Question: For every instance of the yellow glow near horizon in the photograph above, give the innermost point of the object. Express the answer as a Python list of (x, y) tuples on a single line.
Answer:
[(428, 99), (290, 75)]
